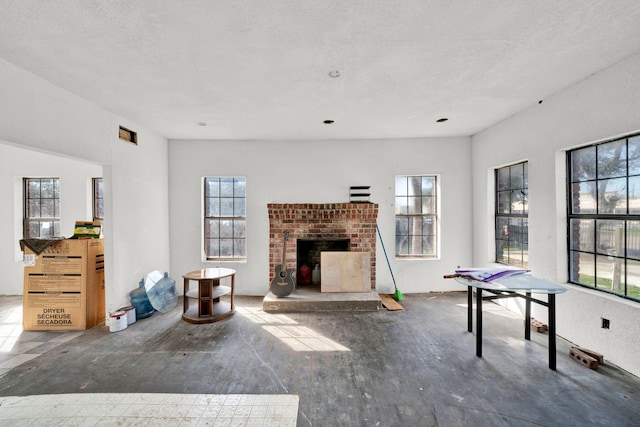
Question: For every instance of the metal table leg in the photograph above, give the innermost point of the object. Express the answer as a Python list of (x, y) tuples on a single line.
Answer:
[(479, 322), (552, 331), (470, 308), (527, 317)]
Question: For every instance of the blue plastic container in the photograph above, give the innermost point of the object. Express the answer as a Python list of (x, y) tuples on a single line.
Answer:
[(162, 294), (140, 301)]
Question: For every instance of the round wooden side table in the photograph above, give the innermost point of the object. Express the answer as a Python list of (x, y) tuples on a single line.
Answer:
[(208, 307)]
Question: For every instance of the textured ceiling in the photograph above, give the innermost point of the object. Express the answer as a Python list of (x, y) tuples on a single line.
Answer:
[(260, 69)]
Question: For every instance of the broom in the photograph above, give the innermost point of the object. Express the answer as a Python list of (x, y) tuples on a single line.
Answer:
[(397, 294)]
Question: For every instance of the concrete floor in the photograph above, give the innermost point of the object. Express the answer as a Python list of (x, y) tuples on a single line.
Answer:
[(415, 367)]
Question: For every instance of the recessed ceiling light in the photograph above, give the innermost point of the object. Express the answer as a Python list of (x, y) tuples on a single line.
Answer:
[(328, 122), (442, 120)]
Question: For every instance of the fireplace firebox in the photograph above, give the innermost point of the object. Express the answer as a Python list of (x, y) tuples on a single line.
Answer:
[(308, 255)]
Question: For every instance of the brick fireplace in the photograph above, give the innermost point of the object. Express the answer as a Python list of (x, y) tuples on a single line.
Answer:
[(352, 222)]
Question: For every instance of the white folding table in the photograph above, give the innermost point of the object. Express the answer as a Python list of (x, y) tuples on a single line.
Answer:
[(510, 286)]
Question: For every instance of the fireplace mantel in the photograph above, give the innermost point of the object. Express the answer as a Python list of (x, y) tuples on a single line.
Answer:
[(321, 221)]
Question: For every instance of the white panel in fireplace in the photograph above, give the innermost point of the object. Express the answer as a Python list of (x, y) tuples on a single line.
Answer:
[(345, 272)]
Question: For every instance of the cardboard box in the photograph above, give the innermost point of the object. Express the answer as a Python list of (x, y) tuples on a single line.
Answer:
[(64, 286), (37, 283), (58, 264), (87, 230), (54, 311)]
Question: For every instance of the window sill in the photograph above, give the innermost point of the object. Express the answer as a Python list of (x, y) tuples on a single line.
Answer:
[(602, 294), (226, 260)]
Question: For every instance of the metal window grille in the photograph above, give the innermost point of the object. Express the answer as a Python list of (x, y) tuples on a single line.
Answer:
[(225, 218), (416, 216), (98, 199), (603, 211), (41, 208), (512, 215)]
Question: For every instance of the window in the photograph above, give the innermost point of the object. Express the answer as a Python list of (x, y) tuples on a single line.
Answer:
[(225, 218), (512, 211), (604, 216), (98, 200), (41, 208), (417, 216)]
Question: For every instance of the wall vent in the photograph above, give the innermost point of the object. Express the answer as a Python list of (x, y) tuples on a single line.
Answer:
[(128, 135), (359, 194)]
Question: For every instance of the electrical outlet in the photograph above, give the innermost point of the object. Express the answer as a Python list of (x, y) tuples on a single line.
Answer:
[(605, 323)]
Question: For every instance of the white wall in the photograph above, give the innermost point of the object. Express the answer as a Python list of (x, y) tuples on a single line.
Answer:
[(321, 172), (37, 115), (601, 107), (75, 202)]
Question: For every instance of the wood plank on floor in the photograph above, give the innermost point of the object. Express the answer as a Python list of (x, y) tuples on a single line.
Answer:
[(389, 303)]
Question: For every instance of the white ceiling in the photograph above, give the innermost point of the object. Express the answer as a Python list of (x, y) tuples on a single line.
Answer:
[(260, 69)]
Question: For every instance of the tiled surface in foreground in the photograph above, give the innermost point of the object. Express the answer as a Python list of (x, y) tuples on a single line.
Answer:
[(140, 409)]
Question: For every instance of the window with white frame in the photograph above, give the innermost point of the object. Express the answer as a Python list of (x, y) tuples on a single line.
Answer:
[(225, 218), (512, 215), (604, 216), (41, 208), (416, 203), (98, 199)]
